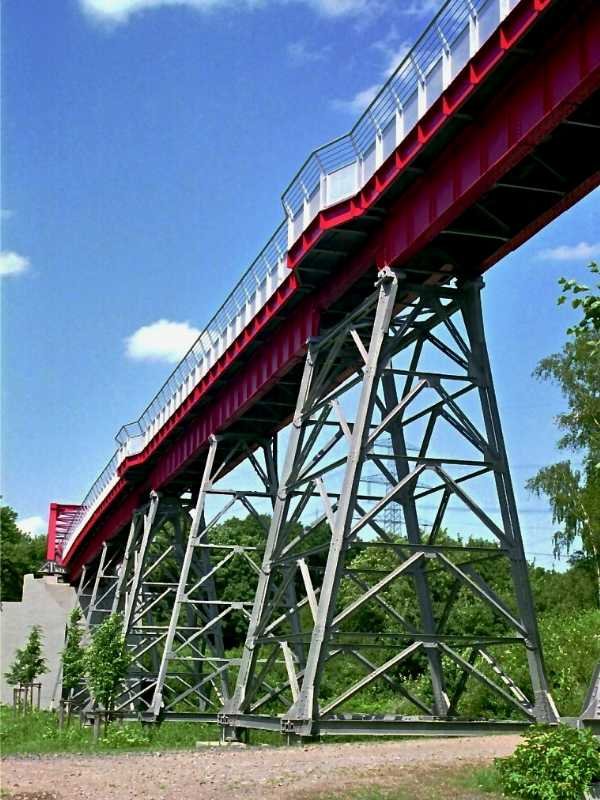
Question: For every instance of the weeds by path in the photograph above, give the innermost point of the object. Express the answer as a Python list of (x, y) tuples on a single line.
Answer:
[(37, 733), (435, 783)]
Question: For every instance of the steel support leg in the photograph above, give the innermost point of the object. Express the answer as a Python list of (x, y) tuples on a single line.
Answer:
[(195, 673), (180, 598), (133, 589), (104, 585), (275, 540), (306, 706), (479, 367), (414, 535)]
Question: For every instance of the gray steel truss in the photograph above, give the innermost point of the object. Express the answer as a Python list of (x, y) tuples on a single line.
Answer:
[(195, 672), (444, 397), (164, 579), (341, 607)]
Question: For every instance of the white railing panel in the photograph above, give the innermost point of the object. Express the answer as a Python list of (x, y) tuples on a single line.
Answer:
[(489, 19), (369, 163), (341, 183), (459, 52), (388, 138), (434, 82)]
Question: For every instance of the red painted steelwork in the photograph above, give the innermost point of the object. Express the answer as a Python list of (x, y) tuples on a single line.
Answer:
[(250, 332), (509, 129), (527, 113), (58, 522)]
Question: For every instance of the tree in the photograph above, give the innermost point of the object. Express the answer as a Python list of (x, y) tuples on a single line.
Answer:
[(574, 493), (583, 297), (73, 656), (29, 661), (106, 662), (21, 555)]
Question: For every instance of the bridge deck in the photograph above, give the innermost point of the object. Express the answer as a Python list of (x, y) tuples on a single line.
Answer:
[(479, 149)]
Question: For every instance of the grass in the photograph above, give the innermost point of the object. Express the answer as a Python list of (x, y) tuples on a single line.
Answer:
[(484, 779), (437, 783), (38, 733)]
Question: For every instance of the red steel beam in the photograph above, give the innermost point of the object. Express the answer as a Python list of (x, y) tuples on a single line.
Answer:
[(53, 541)]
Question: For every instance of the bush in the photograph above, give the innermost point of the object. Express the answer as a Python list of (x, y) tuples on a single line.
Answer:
[(571, 643), (553, 763), (73, 656), (125, 737), (106, 661), (29, 661)]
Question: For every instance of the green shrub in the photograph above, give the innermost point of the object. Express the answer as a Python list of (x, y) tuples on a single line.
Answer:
[(125, 737), (553, 763), (106, 661), (571, 644), (29, 661), (73, 656)]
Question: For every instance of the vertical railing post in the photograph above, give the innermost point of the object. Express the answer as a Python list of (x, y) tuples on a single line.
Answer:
[(134, 588)]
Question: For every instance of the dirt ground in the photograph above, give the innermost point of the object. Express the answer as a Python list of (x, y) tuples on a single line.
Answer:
[(244, 774)]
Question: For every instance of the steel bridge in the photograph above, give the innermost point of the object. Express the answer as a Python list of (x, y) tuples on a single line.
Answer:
[(357, 329)]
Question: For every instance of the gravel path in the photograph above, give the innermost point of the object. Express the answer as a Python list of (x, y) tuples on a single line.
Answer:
[(239, 774)]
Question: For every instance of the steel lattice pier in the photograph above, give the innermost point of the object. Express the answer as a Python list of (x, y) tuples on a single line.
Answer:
[(408, 365)]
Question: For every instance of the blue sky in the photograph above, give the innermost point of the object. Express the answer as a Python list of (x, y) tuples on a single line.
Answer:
[(145, 147)]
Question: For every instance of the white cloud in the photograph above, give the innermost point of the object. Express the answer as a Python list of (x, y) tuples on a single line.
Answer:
[(119, 11), (394, 58), (420, 8), (393, 51), (339, 8), (358, 103), (161, 341), (34, 526), (12, 263), (300, 53), (571, 252)]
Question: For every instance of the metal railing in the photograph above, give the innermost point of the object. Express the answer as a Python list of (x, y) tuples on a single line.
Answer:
[(333, 172)]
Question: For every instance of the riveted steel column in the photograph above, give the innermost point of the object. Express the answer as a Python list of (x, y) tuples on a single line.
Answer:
[(98, 576), (124, 569), (441, 703), (276, 535), (305, 709), (479, 366), (590, 715), (195, 529), (134, 588)]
